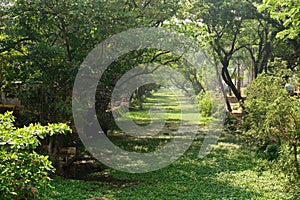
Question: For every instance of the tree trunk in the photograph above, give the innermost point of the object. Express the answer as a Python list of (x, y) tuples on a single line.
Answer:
[(223, 90), (238, 77), (296, 158), (226, 77)]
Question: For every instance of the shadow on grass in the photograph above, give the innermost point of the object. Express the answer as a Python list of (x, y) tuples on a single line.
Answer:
[(190, 177), (187, 178), (228, 172)]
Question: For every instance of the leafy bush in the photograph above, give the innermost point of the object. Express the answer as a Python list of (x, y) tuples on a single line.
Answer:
[(23, 172), (211, 106), (205, 104), (271, 152), (273, 120), (230, 123)]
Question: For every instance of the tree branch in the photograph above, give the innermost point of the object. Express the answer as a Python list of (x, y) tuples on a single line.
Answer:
[(12, 45)]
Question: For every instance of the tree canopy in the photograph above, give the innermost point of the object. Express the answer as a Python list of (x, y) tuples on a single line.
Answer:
[(44, 42)]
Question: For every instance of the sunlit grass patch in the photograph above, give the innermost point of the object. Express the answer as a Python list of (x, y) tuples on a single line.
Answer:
[(164, 105), (231, 171)]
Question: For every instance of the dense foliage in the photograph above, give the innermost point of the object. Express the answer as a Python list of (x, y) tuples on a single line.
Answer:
[(24, 173), (288, 13), (272, 120), (43, 43)]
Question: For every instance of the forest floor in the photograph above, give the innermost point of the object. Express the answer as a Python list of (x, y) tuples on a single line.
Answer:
[(231, 171)]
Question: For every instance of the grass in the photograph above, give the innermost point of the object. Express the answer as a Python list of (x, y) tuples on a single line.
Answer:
[(230, 171)]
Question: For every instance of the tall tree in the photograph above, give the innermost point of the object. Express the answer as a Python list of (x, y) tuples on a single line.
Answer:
[(224, 21), (285, 15), (44, 42)]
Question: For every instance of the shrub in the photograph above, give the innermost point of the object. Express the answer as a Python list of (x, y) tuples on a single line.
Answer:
[(23, 172), (273, 120), (231, 123), (271, 152), (205, 104)]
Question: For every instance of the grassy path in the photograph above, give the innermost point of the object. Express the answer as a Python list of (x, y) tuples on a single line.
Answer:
[(230, 171)]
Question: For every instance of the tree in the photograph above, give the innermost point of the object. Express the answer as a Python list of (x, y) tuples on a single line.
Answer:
[(284, 15), (224, 21), (44, 42), (287, 13), (259, 41)]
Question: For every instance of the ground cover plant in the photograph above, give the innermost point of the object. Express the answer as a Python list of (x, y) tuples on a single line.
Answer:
[(232, 171)]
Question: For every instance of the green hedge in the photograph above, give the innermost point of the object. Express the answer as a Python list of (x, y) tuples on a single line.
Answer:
[(24, 174)]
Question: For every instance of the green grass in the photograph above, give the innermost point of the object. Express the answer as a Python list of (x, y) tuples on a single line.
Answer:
[(176, 108), (230, 171)]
